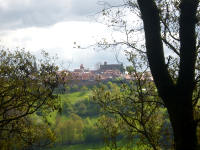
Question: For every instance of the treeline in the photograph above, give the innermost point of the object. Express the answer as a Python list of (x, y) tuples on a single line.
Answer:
[(75, 86), (75, 130)]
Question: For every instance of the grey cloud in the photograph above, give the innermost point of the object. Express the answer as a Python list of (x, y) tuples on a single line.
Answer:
[(32, 13), (29, 13), (89, 7)]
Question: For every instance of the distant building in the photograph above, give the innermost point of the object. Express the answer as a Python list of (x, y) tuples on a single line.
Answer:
[(106, 67)]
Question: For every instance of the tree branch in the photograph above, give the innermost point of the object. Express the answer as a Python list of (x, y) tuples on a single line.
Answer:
[(155, 53)]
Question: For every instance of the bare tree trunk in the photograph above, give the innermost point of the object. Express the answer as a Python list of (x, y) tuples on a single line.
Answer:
[(176, 96), (184, 126)]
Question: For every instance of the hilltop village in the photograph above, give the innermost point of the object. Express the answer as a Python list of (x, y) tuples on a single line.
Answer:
[(104, 72)]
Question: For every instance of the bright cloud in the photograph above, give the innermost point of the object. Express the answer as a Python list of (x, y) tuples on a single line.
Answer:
[(54, 25), (59, 39)]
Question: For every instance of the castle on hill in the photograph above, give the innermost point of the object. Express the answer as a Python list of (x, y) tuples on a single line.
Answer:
[(105, 71)]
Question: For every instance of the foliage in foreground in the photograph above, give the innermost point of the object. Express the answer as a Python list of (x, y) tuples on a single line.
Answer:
[(134, 109), (26, 87), (153, 28)]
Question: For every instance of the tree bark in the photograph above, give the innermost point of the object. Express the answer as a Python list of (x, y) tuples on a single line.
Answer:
[(183, 123), (176, 96)]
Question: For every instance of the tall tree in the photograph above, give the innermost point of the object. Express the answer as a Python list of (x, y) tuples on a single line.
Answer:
[(176, 96), (172, 25)]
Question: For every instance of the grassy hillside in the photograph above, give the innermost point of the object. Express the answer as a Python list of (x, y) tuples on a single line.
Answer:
[(76, 124), (75, 97)]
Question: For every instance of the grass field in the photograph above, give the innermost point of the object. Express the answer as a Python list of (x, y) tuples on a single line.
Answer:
[(75, 96)]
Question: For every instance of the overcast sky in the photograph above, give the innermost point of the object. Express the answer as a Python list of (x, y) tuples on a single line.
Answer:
[(54, 26)]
